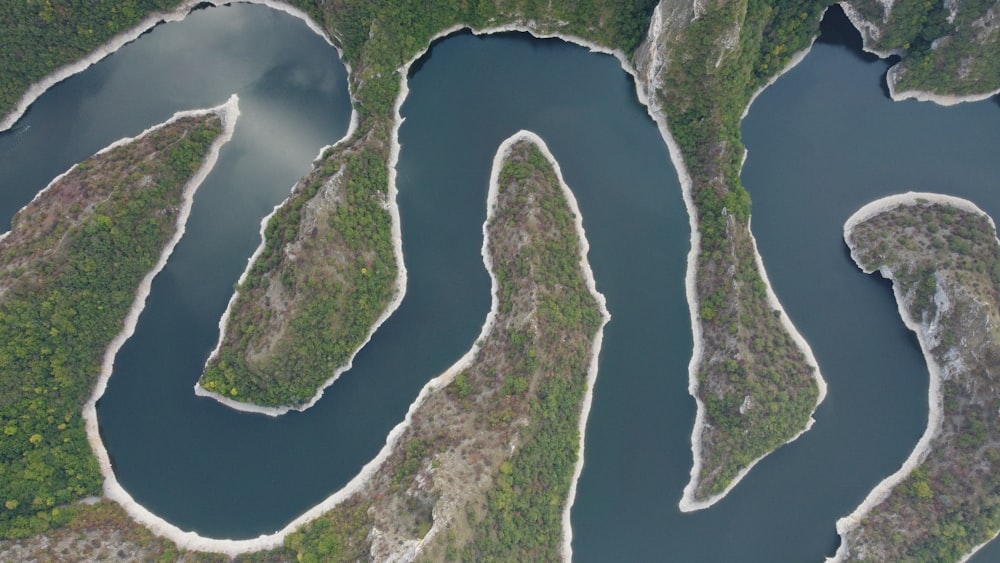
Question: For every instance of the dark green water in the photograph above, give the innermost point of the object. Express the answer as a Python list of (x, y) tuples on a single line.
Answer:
[(823, 141)]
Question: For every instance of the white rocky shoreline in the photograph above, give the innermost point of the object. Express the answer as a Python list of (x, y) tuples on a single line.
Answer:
[(877, 495)]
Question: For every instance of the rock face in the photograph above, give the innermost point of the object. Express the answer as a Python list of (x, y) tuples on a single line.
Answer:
[(950, 50), (944, 260), (670, 19)]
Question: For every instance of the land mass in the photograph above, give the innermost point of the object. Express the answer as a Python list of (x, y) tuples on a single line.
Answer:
[(321, 283), (753, 377), (943, 258)]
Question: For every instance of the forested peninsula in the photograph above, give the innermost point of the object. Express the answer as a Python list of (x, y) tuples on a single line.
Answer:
[(70, 270), (697, 66), (943, 258), (483, 468)]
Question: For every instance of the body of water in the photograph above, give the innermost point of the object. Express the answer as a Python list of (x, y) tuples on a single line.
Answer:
[(823, 141)]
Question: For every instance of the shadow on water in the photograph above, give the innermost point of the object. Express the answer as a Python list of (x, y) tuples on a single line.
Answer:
[(423, 59), (885, 284), (890, 62), (535, 42), (836, 29), (834, 546), (201, 6)]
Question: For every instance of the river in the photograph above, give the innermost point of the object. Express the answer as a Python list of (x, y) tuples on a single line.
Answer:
[(823, 141)]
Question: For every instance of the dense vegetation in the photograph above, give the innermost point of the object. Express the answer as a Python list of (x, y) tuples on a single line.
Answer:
[(750, 360), (69, 271), (339, 535), (942, 52), (945, 262)]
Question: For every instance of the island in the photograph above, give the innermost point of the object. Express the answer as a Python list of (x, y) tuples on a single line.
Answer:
[(75, 270), (697, 67), (943, 258)]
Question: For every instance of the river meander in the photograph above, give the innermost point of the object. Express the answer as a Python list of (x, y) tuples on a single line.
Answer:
[(823, 141)]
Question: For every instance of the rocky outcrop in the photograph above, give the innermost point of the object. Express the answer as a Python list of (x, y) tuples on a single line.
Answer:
[(669, 20)]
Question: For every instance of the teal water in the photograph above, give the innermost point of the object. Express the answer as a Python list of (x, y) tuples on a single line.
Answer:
[(823, 141)]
